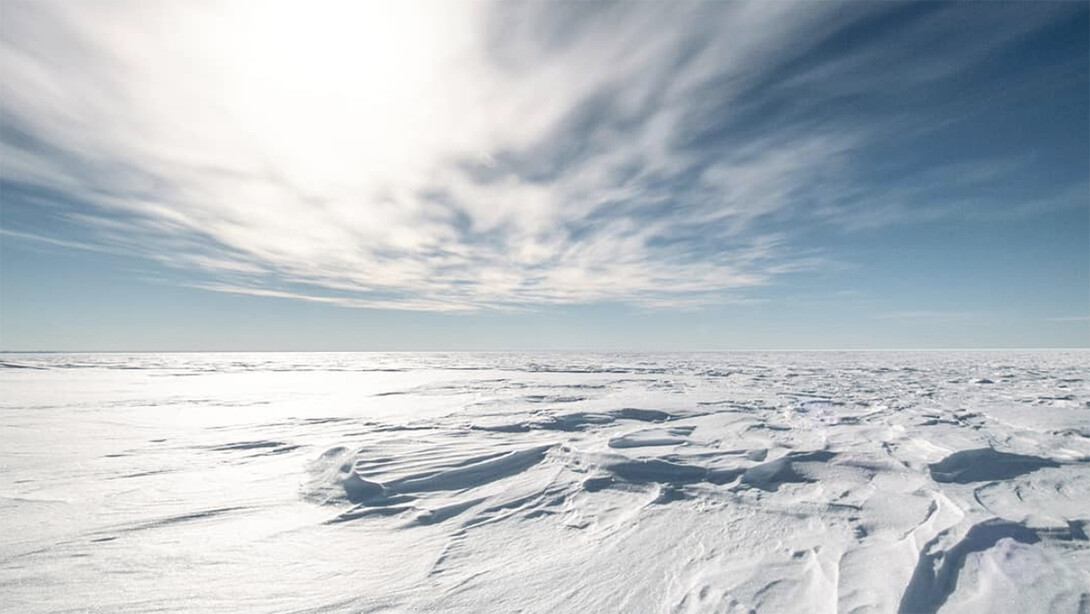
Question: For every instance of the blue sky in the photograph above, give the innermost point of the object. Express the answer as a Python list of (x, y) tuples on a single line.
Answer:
[(333, 175)]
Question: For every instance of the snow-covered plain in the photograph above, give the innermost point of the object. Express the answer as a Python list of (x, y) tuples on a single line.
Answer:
[(560, 482)]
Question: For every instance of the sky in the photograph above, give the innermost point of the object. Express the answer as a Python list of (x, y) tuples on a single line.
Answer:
[(335, 175)]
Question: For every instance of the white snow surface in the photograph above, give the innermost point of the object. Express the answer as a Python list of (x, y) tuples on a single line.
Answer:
[(546, 482)]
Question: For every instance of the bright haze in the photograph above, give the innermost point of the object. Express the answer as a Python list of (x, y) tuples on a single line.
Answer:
[(401, 175)]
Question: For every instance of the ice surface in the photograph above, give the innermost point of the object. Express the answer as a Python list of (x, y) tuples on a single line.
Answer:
[(549, 482)]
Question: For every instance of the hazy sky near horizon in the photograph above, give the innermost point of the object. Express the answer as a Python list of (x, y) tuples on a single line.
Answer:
[(277, 175)]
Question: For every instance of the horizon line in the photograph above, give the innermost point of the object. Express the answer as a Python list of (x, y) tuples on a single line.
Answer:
[(564, 350)]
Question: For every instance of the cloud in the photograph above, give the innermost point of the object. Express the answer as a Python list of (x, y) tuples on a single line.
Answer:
[(930, 315), (334, 300), (27, 236), (454, 157), (1070, 319)]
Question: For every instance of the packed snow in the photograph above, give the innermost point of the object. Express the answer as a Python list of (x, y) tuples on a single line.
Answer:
[(909, 482)]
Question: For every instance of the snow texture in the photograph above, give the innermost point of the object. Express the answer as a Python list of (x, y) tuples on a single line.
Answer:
[(914, 482)]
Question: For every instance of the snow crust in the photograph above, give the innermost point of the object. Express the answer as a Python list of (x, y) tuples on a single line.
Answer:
[(913, 482)]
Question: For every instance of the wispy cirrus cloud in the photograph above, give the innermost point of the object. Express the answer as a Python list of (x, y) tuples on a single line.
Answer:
[(930, 315), (434, 156), (1070, 319)]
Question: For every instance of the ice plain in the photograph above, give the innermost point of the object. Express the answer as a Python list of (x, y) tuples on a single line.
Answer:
[(546, 482)]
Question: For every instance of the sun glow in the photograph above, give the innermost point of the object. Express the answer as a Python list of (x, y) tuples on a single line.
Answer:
[(338, 91)]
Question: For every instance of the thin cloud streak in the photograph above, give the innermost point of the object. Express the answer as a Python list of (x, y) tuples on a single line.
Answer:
[(1070, 319), (929, 315), (76, 245)]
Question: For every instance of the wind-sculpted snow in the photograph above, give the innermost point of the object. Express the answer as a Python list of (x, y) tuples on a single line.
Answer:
[(936, 574), (986, 465), (735, 482)]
